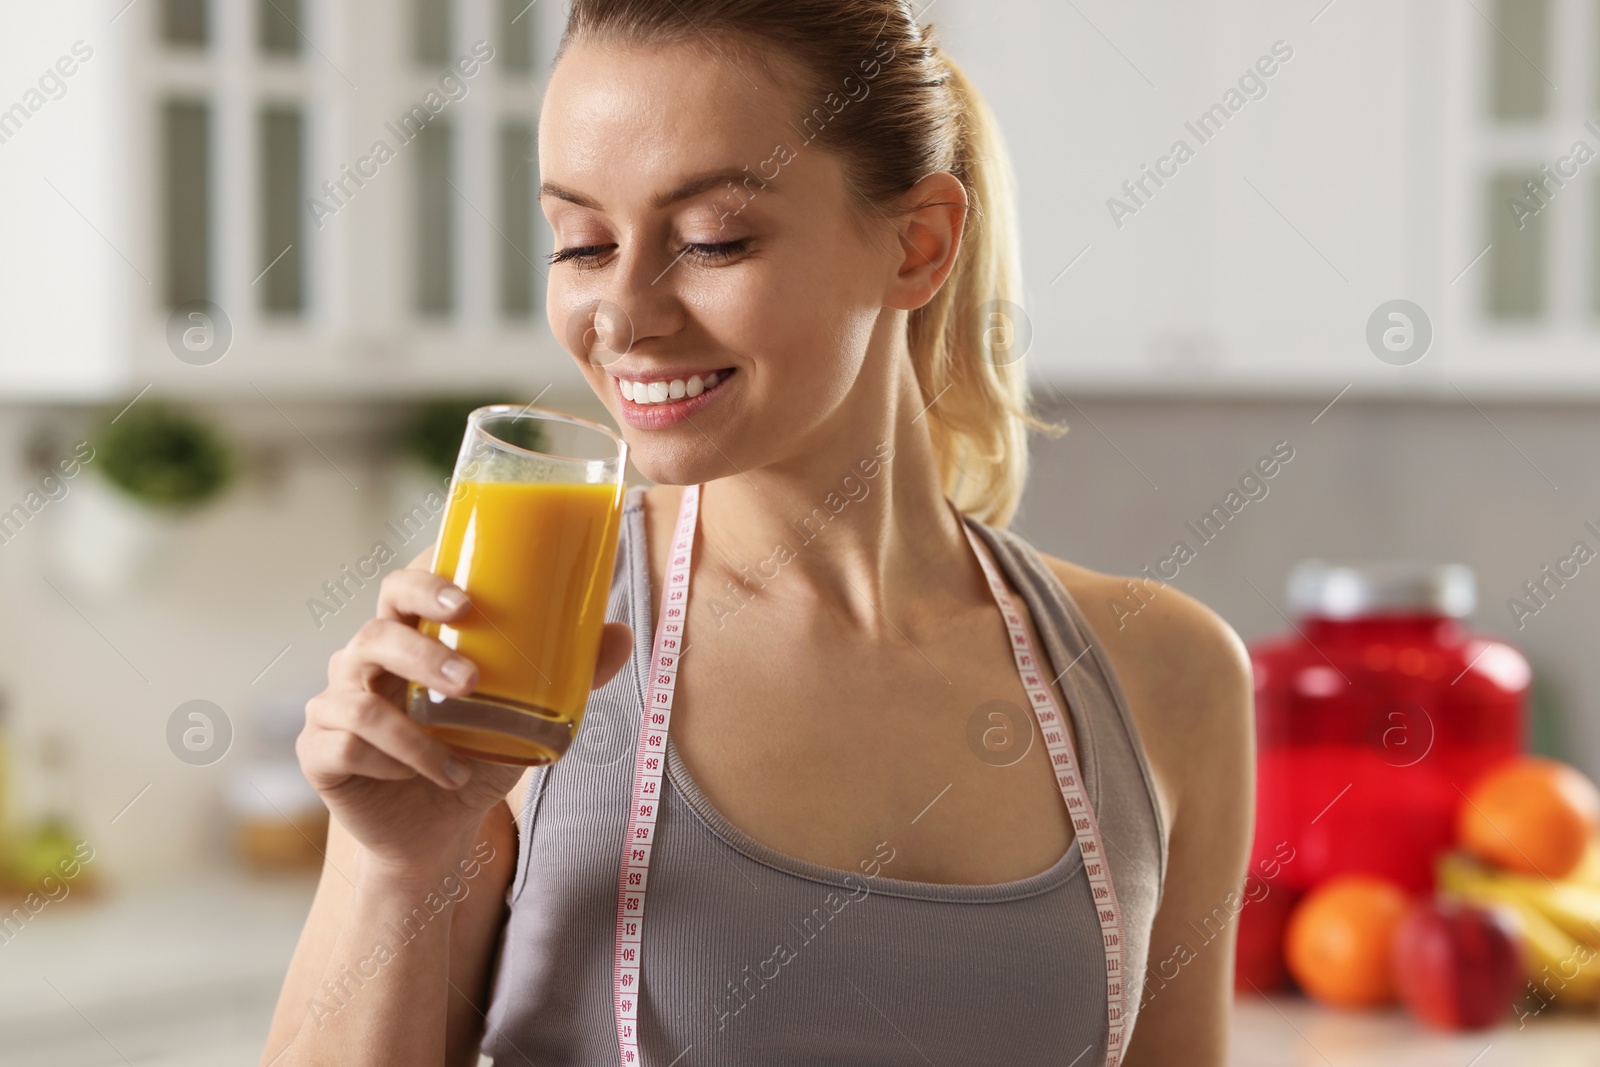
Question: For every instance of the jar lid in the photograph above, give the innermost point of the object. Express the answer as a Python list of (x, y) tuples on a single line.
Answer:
[(1356, 590)]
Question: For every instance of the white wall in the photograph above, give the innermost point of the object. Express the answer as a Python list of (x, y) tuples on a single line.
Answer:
[(226, 594), (1370, 481)]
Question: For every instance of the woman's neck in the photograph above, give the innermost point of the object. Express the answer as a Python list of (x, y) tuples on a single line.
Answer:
[(856, 529)]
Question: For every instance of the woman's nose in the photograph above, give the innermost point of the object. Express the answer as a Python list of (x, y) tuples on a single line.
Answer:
[(637, 302)]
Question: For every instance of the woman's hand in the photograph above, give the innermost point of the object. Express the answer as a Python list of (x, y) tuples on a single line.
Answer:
[(408, 798)]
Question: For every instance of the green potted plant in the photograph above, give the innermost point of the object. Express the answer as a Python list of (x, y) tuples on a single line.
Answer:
[(165, 458), (427, 441), (152, 465), (432, 434)]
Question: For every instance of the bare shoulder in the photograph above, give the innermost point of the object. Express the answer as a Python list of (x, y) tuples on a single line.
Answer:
[(1189, 688), (1185, 672)]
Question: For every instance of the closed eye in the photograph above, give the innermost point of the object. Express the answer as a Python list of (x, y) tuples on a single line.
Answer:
[(719, 252), (716, 253), (583, 254)]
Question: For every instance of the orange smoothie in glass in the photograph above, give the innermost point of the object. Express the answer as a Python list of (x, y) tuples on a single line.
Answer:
[(536, 561)]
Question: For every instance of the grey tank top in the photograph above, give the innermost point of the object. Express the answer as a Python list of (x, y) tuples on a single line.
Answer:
[(756, 957)]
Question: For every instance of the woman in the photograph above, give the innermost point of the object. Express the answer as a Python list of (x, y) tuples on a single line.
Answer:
[(864, 852)]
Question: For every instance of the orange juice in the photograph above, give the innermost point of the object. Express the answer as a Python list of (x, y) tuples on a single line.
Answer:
[(536, 561)]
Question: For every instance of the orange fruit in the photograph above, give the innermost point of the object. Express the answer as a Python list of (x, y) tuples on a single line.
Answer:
[(1339, 944), (1531, 815)]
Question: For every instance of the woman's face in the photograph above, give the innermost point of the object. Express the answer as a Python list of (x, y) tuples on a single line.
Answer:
[(696, 235)]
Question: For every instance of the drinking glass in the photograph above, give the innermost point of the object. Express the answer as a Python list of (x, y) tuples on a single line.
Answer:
[(530, 535)]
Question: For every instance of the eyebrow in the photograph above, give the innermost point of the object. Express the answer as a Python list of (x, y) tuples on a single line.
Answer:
[(691, 188)]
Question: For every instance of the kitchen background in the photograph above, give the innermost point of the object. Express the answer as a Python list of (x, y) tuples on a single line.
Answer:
[(200, 243)]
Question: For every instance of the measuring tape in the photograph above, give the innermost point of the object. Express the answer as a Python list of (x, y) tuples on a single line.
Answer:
[(1058, 743), (652, 753)]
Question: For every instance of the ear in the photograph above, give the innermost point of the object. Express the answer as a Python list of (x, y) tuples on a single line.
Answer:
[(931, 222)]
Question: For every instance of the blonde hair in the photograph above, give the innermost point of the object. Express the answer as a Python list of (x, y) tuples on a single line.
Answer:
[(918, 114)]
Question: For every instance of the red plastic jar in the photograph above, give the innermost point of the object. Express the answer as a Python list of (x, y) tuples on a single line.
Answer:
[(1372, 720)]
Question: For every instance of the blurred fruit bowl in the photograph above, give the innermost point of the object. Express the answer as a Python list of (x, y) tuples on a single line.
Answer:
[(1512, 928)]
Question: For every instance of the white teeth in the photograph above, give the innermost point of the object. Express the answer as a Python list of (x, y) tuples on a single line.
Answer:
[(662, 392)]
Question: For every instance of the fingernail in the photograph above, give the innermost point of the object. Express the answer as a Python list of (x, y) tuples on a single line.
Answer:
[(456, 771), (457, 670), (453, 599)]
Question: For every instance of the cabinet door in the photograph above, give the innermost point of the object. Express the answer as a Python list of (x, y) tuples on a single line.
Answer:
[(1250, 250), (68, 255)]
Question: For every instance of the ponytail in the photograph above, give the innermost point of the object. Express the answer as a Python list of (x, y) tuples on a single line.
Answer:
[(966, 343)]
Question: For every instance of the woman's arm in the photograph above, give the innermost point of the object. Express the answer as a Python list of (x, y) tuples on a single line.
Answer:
[(393, 966), (1188, 681), (442, 965)]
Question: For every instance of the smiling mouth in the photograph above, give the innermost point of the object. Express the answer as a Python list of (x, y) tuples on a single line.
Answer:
[(671, 390)]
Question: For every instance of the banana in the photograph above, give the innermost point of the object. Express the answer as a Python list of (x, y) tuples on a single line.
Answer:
[(1560, 966), (1573, 906), (1587, 872)]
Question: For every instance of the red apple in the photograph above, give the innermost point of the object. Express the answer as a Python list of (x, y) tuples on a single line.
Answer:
[(1457, 966)]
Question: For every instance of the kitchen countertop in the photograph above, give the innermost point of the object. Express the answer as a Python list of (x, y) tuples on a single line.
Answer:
[(186, 975), (179, 975), (1289, 1031)]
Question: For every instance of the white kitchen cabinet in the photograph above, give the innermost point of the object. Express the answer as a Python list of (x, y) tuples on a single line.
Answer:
[(1357, 172), (172, 169), (1359, 176)]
